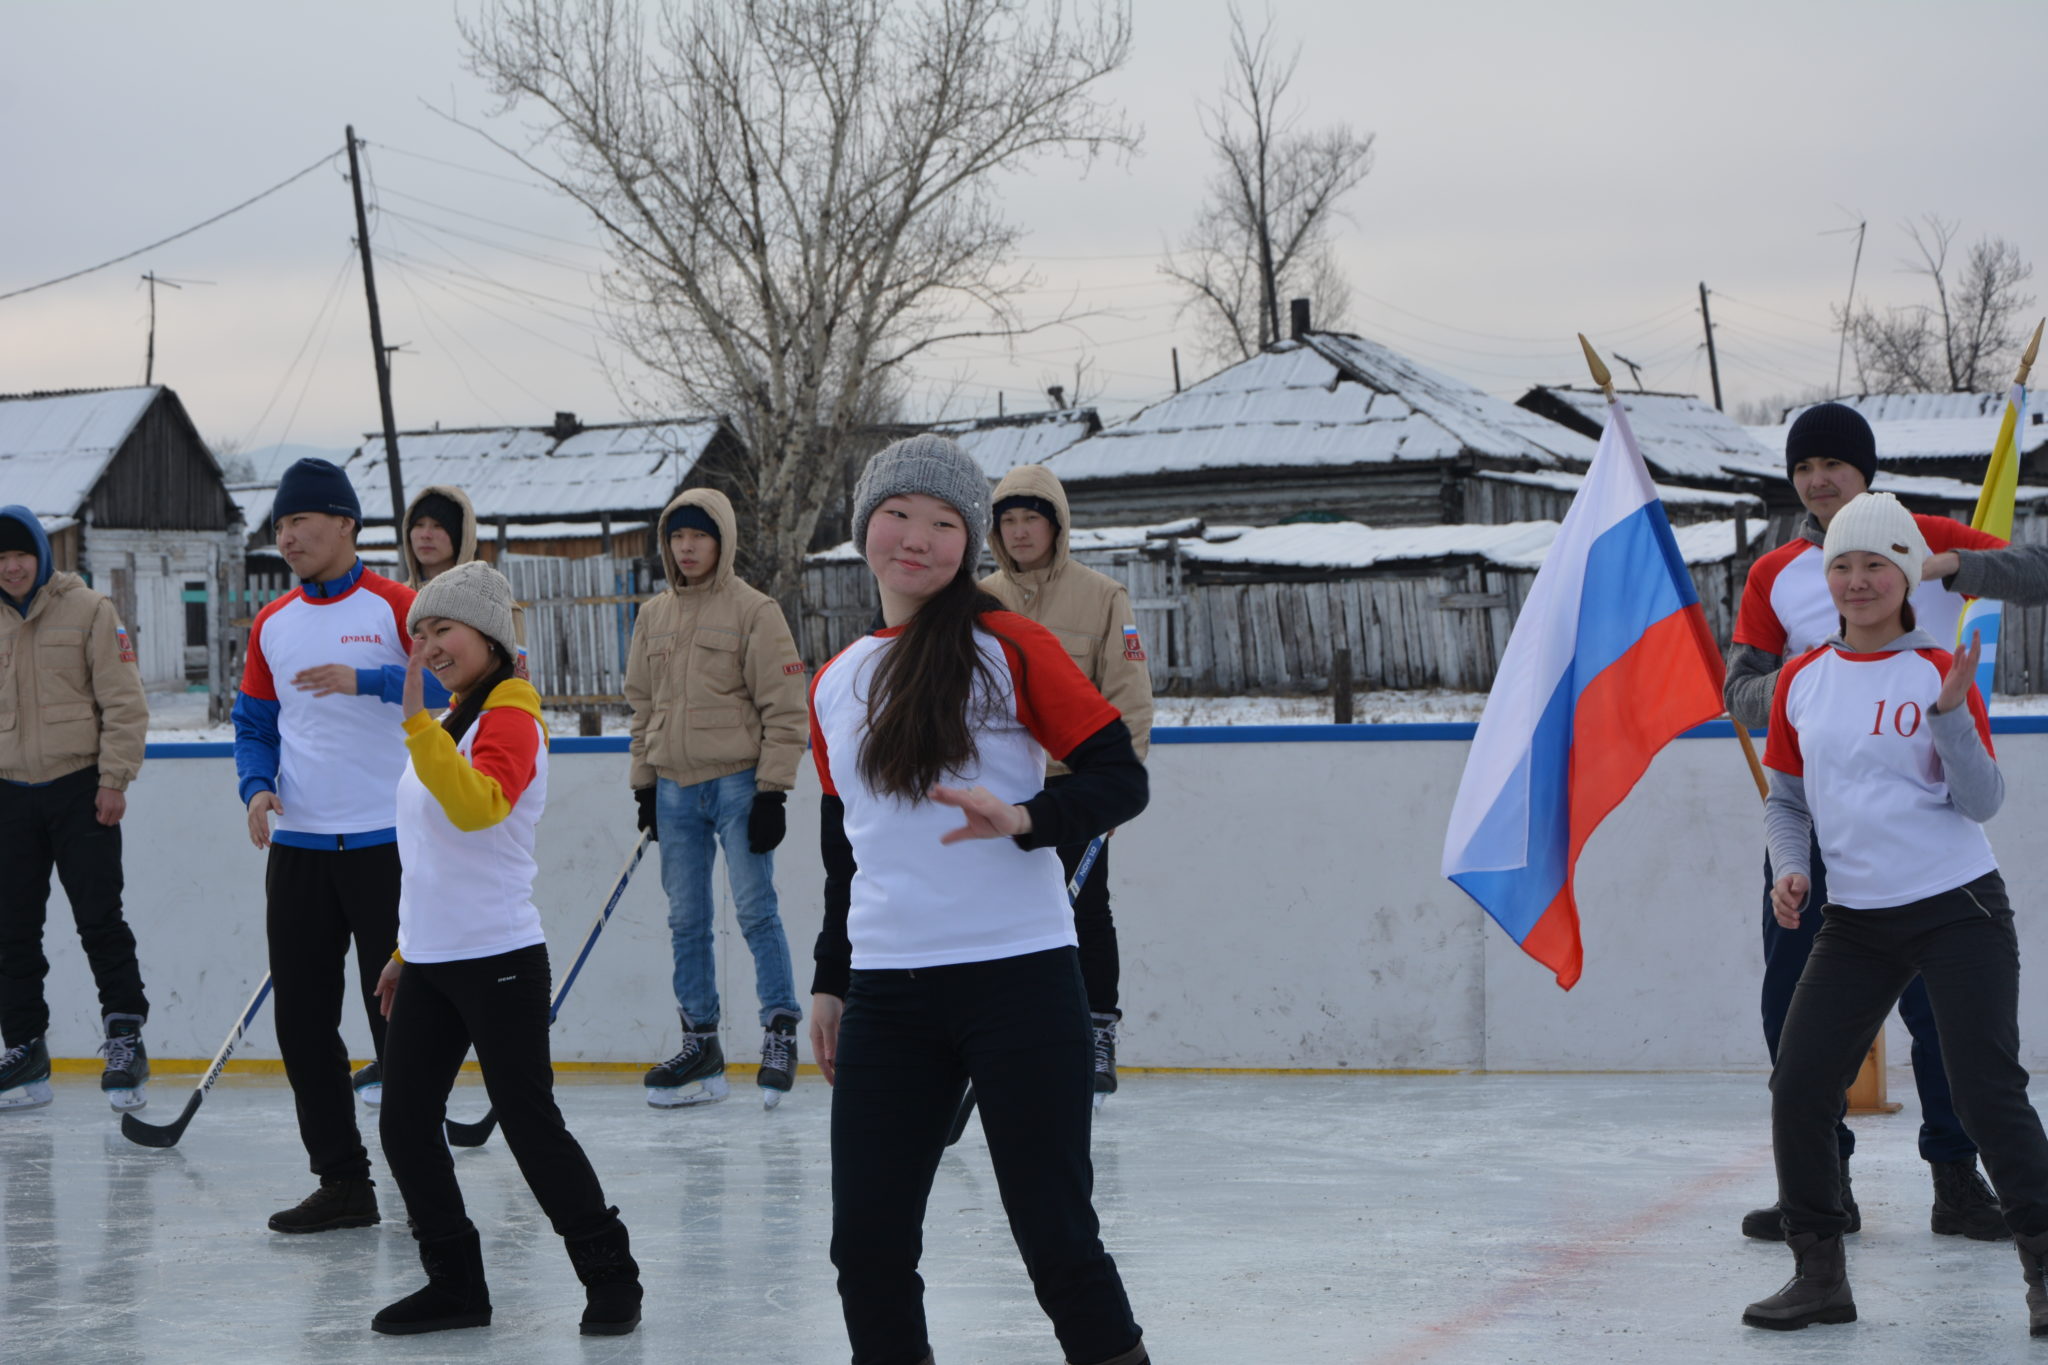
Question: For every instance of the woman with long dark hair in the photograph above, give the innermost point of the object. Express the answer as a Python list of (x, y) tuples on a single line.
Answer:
[(948, 948)]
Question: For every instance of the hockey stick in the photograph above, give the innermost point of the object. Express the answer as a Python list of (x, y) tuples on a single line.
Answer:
[(167, 1135), (478, 1133), (1074, 885)]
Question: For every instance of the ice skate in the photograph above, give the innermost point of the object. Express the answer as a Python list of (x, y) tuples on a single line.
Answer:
[(368, 1083), (778, 1058), (1105, 1056), (694, 1076), (126, 1078), (25, 1076)]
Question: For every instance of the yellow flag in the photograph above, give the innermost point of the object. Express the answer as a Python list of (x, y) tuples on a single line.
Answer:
[(2002, 475)]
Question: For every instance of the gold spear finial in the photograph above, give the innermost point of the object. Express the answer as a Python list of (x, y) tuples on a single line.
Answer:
[(2033, 350), (1601, 375)]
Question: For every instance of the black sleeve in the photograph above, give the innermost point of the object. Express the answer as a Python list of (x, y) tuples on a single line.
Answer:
[(833, 954), (1107, 788)]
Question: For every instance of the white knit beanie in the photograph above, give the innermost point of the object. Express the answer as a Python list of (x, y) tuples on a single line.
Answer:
[(1880, 524), (476, 595)]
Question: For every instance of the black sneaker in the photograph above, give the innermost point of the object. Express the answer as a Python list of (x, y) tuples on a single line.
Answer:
[(1964, 1205), (127, 1063), (336, 1204), (1105, 1056), (368, 1083), (778, 1058), (25, 1076), (696, 1075)]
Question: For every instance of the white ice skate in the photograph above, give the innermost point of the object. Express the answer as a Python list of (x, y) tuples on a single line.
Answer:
[(709, 1090), (25, 1077), (369, 1083)]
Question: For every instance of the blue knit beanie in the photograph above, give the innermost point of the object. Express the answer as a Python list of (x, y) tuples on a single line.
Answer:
[(313, 485)]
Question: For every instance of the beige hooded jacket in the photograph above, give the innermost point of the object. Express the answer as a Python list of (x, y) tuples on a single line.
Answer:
[(1089, 611), (70, 694), (715, 680), (465, 545)]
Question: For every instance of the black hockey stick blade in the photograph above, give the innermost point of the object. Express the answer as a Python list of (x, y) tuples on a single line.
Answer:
[(165, 1135), (472, 1134)]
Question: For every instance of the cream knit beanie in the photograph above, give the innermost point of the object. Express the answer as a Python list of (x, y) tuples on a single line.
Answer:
[(476, 595), (1880, 524)]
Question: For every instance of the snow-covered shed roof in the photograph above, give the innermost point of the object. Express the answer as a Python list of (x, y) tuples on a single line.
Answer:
[(1963, 437), (1911, 407), (1000, 444), (1353, 545), (1680, 436), (55, 446), (1329, 401), (525, 472), (1959, 491), (1675, 494)]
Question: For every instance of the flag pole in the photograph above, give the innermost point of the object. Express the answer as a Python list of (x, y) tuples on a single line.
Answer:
[(2032, 352), (1605, 379)]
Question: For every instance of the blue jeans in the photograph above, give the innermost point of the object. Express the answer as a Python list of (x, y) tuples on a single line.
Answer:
[(686, 819)]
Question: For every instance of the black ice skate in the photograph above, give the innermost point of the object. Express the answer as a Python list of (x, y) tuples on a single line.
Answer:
[(25, 1076), (127, 1070), (368, 1083), (696, 1075), (778, 1058), (1105, 1056)]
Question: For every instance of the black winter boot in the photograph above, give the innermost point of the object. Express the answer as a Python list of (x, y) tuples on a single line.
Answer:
[(1964, 1205), (455, 1294), (1135, 1356), (336, 1204), (611, 1279), (2034, 1264), (1817, 1292), (1768, 1224)]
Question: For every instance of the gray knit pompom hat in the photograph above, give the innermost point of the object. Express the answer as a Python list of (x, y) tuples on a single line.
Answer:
[(476, 595), (925, 464)]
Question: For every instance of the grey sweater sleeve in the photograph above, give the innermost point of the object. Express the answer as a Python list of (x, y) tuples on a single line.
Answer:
[(1788, 825), (1752, 679), (2018, 573), (1975, 785)]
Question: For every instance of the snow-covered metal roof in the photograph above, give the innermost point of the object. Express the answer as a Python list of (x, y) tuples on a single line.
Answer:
[(384, 537), (1675, 494), (1908, 407), (1332, 401), (1680, 436), (1931, 438), (1000, 444), (524, 472), (54, 447), (1353, 545), (1959, 491)]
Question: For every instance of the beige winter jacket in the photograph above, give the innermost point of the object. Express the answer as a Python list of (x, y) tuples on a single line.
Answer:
[(465, 549), (714, 678), (1089, 611), (70, 693)]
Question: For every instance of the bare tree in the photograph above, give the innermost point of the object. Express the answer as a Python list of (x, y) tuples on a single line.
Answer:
[(1264, 231), (1077, 389), (1966, 340), (798, 195)]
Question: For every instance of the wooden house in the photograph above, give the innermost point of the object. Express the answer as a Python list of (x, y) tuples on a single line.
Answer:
[(135, 502)]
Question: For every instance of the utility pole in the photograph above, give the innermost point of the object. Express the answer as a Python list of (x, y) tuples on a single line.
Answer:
[(149, 357), (1713, 361), (1842, 350), (377, 347)]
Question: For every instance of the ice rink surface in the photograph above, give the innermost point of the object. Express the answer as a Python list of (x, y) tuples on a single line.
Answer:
[(1258, 1220)]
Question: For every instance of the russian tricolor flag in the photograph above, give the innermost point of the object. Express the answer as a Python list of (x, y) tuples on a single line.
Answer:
[(1610, 659)]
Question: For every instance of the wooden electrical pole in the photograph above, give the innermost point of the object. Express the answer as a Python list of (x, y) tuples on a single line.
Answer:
[(377, 348), (1713, 361)]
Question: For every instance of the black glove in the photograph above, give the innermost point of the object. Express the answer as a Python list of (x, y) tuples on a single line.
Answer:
[(645, 796), (766, 822)]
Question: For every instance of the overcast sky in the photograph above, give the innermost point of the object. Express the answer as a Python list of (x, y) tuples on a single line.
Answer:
[(1541, 170)]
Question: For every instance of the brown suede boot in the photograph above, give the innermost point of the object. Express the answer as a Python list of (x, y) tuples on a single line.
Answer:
[(1817, 1292)]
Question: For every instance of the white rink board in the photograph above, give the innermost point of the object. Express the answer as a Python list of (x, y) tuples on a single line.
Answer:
[(1278, 906)]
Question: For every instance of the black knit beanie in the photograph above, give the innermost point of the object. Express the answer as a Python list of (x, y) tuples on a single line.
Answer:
[(442, 509), (313, 485), (16, 536), (1832, 431), (1030, 504), (691, 517)]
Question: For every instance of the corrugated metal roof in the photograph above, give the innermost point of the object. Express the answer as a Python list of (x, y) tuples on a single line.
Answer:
[(1680, 436), (1000, 444), (1336, 401), (1891, 481), (525, 472), (54, 447), (1905, 407)]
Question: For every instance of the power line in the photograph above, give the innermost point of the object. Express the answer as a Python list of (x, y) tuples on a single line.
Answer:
[(348, 259), (1500, 336), (458, 166), (164, 241), (1803, 322), (493, 222)]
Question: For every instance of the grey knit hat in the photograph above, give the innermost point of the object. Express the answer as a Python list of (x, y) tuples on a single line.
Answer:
[(476, 595), (925, 464)]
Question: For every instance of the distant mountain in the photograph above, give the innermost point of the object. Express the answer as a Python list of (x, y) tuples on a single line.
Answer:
[(266, 464)]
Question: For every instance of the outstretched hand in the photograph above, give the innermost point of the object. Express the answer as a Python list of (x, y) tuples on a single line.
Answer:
[(988, 815), (1962, 671)]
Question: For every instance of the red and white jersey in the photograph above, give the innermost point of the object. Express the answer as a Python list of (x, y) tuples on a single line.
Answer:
[(1786, 609), (920, 903), (339, 758), (1854, 727)]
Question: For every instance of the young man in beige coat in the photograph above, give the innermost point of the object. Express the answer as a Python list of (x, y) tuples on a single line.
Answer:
[(1091, 614), (73, 720), (719, 725)]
